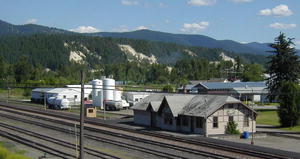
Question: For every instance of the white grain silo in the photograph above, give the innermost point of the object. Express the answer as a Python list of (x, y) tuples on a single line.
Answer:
[(97, 97), (108, 88), (117, 95)]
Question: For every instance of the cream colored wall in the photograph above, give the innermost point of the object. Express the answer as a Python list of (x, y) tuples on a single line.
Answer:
[(223, 114)]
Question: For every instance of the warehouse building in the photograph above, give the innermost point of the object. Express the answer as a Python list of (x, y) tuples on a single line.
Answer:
[(245, 91), (72, 94), (198, 114)]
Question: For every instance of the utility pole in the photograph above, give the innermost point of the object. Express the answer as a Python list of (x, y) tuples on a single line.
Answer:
[(81, 153), (252, 134), (205, 131), (45, 104), (7, 90), (76, 140)]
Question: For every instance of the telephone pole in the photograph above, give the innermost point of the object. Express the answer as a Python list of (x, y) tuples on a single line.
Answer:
[(81, 154)]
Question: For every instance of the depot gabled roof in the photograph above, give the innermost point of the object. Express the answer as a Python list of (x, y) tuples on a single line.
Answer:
[(184, 104)]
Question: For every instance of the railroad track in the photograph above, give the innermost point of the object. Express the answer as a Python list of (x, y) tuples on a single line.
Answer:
[(120, 143), (36, 145), (227, 146), (92, 152)]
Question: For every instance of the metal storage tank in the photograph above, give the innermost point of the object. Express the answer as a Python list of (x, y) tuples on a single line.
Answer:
[(99, 100), (97, 87), (108, 88), (117, 95)]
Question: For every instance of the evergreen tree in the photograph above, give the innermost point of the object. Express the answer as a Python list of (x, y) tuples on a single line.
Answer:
[(252, 72), (289, 99), (283, 65), (2, 68), (23, 70)]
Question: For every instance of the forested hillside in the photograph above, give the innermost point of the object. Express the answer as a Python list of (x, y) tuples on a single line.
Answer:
[(57, 58)]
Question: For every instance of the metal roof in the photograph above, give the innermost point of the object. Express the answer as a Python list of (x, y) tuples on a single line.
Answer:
[(251, 90), (42, 90), (185, 104), (60, 90), (155, 105), (143, 104), (231, 85), (177, 103), (206, 105)]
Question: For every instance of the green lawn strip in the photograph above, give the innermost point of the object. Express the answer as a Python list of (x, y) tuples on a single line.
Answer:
[(8, 151), (294, 129), (271, 118), (266, 104), (268, 118)]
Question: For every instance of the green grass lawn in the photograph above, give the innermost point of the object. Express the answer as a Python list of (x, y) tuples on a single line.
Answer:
[(268, 118), (8, 151), (271, 118)]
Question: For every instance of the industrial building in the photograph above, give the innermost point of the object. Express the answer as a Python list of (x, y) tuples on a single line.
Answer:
[(71, 93), (245, 91), (104, 93), (200, 114)]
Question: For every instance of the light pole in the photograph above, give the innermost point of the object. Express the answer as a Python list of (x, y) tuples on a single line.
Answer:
[(252, 134)]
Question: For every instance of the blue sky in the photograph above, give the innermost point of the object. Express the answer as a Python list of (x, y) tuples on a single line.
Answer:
[(239, 20)]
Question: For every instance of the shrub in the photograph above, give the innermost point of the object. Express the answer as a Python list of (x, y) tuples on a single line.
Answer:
[(168, 88), (232, 128)]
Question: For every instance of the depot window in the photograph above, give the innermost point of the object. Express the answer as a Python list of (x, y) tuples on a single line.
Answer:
[(215, 122)]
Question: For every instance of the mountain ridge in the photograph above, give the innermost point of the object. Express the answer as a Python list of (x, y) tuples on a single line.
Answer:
[(181, 39)]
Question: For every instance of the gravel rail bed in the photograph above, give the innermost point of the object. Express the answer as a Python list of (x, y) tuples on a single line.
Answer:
[(209, 145), (159, 150)]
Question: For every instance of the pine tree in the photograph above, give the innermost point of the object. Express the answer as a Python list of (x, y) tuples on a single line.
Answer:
[(289, 99), (283, 65)]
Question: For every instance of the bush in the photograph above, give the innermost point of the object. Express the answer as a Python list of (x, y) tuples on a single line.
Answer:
[(168, 88), (232, 128)]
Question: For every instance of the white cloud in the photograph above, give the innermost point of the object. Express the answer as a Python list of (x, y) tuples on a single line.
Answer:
[(31, 21), (85, 29), (282, 26), (122, 28), (141, 27), (297, 43), (129, 3), (167, 21), (241, 1), (280, 11), (194, 27), (201, 2), (265, 12)]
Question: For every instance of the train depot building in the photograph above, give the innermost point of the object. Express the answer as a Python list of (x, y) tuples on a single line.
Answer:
[(198, 114)]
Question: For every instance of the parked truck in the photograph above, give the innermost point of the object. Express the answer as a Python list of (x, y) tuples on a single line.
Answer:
[(116, 105), (58, 103)]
